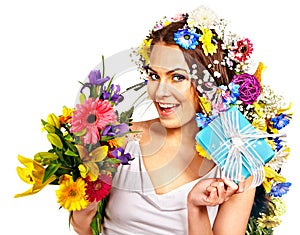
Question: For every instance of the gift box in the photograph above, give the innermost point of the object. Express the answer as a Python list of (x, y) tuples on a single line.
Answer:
[(236, 146)]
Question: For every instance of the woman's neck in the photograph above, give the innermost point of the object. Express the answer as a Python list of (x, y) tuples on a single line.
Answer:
[(184, 133)]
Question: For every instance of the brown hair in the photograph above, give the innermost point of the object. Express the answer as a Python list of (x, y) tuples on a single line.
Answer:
[(196, 56)]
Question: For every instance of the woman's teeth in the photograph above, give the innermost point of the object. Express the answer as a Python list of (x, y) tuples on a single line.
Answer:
[(166, 106)]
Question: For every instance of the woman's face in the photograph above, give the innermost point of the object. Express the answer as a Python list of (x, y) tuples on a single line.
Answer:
[(170, 87)]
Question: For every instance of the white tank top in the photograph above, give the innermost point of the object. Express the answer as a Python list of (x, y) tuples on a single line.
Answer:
[(135, 208)]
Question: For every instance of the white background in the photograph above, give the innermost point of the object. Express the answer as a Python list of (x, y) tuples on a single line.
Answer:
[(47, 46)]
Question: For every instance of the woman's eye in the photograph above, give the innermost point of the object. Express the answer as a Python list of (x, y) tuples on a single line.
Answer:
[(153, 76), (178, 77)]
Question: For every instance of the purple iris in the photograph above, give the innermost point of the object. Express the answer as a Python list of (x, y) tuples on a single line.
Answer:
[(113, 94), (280, 189), (123, 157), (280, 121), (96, 79), (115, 130)]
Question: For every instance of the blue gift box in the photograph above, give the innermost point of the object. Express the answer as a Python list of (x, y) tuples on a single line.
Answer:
[(235, 145)]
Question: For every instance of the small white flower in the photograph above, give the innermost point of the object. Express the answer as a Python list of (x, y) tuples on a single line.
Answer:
[(217, 74)]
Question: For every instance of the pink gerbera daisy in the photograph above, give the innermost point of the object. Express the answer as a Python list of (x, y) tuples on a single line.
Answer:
[(91, 116), (98, 189)]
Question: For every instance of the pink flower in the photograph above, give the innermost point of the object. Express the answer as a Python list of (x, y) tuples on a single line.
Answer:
[(92, 116), (249, 89)]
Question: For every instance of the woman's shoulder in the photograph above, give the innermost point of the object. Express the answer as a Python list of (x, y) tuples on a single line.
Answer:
[(140, 130)]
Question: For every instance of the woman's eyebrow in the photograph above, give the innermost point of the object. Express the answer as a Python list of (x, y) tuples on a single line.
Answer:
[(170, 71)]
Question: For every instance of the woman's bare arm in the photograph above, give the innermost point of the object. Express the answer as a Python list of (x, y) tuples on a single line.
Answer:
[(234, 202)]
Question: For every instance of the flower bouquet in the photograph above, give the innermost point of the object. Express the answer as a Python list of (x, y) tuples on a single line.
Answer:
[(86, 148)]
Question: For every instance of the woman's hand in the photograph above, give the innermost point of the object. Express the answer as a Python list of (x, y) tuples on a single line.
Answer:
[(233, 213), (212, 192), (82, 219)]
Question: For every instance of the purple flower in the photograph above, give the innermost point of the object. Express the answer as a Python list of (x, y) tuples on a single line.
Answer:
[(249, 89), (96, 79), (113, 94), (115, 130), (280, 121), (280, 189), (123, 157)]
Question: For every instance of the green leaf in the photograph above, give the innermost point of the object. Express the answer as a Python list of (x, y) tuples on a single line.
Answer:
[(50, 170), (71, 153), (126, 116), (98, 218)]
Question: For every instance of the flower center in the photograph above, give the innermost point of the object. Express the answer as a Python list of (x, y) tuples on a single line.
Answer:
[(91, 118), (244, 49), (187, 37), (72, 193), (98, 186)]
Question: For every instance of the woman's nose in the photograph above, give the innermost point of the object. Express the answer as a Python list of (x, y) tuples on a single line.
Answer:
[(163, 90)]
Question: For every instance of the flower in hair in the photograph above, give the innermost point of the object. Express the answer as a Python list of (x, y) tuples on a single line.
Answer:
[(187, 38), (206, 39), (178, 17), (202, 17), (243, 50), (249, 89), (280, 189), (144, 50), (280, 121)]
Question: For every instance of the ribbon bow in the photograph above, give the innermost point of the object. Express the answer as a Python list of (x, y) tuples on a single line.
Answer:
[(242, 151)]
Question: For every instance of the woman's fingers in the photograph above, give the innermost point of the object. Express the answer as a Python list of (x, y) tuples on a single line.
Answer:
[(211, 192)]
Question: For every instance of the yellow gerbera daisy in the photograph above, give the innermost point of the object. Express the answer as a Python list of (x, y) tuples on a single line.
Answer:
[(71, 195)]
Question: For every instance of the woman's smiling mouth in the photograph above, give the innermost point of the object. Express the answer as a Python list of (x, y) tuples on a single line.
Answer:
[(166, 109)]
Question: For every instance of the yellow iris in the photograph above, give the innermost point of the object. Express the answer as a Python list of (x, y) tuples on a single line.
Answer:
[(33, 173), (71, 195)]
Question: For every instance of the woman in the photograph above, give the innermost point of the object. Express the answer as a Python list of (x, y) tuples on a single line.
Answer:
[(169, 188)]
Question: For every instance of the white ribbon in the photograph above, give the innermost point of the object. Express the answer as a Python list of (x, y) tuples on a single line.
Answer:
[(237, 145)]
